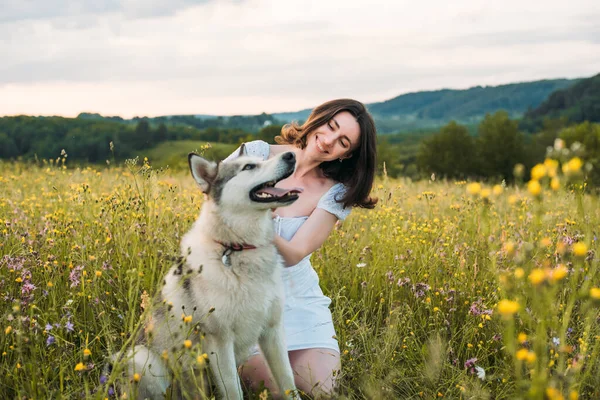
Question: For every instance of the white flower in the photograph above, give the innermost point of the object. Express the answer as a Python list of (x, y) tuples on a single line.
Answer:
[(361, 265), (556, 341), (480, 372)]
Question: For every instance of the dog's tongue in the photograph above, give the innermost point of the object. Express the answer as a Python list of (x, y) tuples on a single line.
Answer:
[(279, 192)]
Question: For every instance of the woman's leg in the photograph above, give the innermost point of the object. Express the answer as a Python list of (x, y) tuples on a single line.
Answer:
[(315, 371)]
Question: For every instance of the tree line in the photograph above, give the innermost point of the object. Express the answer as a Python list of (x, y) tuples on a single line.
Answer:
[(499, 145)]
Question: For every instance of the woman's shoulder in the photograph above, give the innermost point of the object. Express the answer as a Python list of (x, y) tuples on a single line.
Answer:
[(276, 149)]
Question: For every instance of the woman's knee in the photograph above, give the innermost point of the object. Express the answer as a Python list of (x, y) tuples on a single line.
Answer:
[(316, 371), (255, 373)]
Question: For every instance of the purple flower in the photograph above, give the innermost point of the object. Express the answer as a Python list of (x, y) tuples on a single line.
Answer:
[(27, 288), (470, 362), (69, 326), (390, 276), (75, 275), (48, 327), (103, 379), (50, 340)]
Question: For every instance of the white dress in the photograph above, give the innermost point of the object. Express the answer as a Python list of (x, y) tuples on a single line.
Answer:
[(306, 316)]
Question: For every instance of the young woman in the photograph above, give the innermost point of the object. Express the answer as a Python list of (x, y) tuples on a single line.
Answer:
[(335, 165)]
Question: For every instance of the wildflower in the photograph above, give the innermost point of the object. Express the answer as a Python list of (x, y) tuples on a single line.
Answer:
[(522, 354), (50, 340), (480, 372), (8, 330), (48, 327), (519, 273), (69, 326), (79, 367), (572, 167), (485, 193), (534, 188), (522, 338), (497, 190), (361, 265), (538, 172), (187, 344), (87, 352), (473, 188), (580, 249), (507, 308), (555, 184), (559, 273), (201, 360), (136, 377), (595, 293), (537, 276), (518, 170)]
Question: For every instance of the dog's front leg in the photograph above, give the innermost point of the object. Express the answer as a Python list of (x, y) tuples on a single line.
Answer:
[(272, 344), (222, 363)]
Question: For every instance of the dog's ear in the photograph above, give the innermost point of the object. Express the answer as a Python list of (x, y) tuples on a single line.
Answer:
[(242, 151), (203, 171)]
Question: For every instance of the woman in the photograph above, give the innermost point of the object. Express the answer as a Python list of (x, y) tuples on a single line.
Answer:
[(335, 165)]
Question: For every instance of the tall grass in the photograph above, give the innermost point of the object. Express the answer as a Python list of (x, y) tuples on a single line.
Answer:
[(445, 290)]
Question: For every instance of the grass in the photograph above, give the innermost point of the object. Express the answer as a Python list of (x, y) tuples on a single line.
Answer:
[(441, 283)]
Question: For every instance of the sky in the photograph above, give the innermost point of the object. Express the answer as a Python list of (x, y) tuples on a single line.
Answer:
[(225, 57)]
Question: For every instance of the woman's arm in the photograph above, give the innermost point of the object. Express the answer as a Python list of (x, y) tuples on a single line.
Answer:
[(311, 235)]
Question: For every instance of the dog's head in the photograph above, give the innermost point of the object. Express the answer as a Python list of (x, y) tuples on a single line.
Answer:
[(246, 181)]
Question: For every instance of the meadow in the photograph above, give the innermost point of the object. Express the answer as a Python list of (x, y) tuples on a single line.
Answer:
[(445, 290)]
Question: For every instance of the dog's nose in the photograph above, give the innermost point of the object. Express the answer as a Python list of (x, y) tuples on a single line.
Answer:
[(289, 157)]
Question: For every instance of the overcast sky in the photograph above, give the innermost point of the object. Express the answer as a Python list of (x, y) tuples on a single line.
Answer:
[(158, 57)]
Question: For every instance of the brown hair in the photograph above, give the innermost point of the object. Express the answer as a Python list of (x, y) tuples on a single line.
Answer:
[(356, 172)]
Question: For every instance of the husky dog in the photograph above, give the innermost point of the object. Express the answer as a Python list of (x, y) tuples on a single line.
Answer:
[(225, 294)]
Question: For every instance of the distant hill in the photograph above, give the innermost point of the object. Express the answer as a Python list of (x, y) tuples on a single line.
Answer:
[(431, 109), (578, 103), (411, 112)]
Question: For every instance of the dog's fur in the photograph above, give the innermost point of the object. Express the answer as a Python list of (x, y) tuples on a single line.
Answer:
[(233, 307)]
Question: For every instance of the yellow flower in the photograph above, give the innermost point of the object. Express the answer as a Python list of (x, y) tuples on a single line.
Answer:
[(98, 274), (522, 354), (551, 166), (509, 248), (537, 276), (497, 190), (519, 273), (8, 330), (522, 338), (507, 308), (87, 352), (559, 272), (136, 377), (538, 172), (573, 395), (473, 188), (79, 367), (534, 188), (580, 249), (573, 167), (595, 293), (531, 357), (485, 193), (187, 344), (555, 184), (553, 394), (49, 284), (201, 360), (512, 199), (546, 242)]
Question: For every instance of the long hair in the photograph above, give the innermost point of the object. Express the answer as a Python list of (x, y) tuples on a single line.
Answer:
[(357, 172)]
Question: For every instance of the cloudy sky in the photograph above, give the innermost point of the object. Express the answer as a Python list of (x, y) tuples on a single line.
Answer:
[(158, 57)]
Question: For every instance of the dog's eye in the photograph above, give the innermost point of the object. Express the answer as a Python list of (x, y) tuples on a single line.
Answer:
[(248, 167)]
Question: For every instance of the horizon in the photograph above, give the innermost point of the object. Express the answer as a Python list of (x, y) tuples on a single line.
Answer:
[(244, 57), (284, 111)]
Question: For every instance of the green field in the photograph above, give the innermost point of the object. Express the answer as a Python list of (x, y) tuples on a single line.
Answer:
[(445, 290)]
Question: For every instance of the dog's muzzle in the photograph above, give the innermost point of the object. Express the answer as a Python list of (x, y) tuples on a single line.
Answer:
[(267, 192)]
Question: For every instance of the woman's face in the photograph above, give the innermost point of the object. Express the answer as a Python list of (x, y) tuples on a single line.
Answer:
[(337, 138)]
